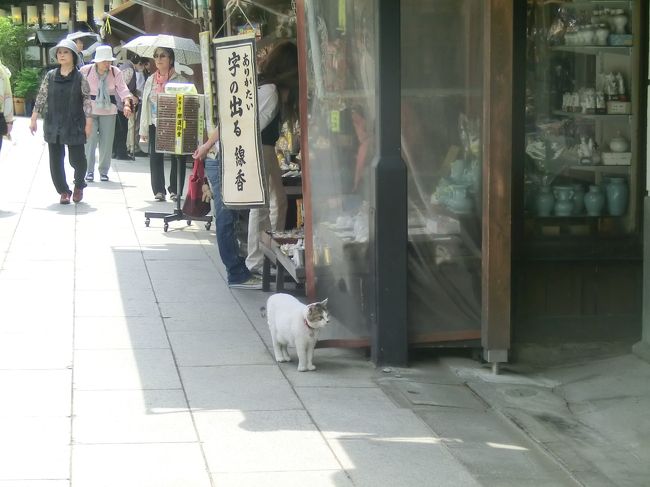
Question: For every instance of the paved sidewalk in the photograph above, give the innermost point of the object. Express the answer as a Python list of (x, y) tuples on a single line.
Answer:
[(126, 361)]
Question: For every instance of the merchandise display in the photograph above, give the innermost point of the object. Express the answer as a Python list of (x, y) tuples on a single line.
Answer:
[(581, 125)]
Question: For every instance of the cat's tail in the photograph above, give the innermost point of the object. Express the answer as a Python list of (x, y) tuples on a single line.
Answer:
[(263, 311)]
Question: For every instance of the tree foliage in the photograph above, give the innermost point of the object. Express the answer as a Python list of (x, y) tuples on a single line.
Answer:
[(13, 40)]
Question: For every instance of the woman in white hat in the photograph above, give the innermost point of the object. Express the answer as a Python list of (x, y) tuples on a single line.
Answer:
[(64, 102), (106, 81)]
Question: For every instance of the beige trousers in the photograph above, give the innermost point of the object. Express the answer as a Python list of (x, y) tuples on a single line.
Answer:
[(271, 218)]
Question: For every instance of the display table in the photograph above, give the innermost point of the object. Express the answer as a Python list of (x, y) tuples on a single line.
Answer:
[(273, 255)]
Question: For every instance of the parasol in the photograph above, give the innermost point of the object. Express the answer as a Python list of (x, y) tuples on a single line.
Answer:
[(186, 51), (88, 38)]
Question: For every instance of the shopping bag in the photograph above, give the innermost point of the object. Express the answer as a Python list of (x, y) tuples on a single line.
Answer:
[(194, 204)]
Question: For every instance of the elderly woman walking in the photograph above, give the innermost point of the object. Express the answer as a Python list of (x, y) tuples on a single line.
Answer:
[(64, 102), (155, 84), (105, 83)]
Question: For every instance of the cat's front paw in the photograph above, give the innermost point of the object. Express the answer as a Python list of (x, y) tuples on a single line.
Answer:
[(311, 367), (302, 368)]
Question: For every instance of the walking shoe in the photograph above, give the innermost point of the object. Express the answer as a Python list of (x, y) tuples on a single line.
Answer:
[(159, 197), (173, 196), (65, 198), (77, 194), (90, 177), (250, 283), (103, 177)]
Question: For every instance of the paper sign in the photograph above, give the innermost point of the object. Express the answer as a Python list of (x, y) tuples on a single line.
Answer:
[(243, 176)]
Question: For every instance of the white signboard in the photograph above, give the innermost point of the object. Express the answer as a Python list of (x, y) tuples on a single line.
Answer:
[(243, 176)]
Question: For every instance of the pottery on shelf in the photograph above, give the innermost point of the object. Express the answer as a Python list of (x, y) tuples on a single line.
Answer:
[(544, 201), (619, 144), (620, 22), (578, 199), (594, 201), (602, 33), (563, 200), (459, 201), (617, 196)]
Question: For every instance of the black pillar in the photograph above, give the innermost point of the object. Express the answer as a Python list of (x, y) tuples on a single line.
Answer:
[(388, 217)]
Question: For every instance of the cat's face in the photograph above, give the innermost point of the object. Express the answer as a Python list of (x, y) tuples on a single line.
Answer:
[(317, 314)]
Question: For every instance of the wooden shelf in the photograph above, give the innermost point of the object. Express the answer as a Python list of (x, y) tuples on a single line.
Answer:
[(593, 50), (601, 168), (604, 116)]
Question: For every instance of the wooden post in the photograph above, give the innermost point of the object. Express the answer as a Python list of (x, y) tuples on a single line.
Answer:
[(497, 169)]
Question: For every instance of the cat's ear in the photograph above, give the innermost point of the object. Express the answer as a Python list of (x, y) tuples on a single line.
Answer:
[(324, 302)]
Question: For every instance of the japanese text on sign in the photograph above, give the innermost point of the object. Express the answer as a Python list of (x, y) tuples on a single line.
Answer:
[(242, 169)]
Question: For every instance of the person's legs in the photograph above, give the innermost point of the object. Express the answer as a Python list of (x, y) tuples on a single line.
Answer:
[(277, 195), (176, 162), (57, 171), (259, 220), (77, 158), (156, 164), (91, 145), (225, 228), (106, 134)]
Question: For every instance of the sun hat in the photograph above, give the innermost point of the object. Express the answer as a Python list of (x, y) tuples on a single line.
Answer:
[(68, 44), (103, 53)]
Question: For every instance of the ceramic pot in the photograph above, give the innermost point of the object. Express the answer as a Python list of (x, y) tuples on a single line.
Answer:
[(594, 201), (459, 201), (619, 144), (578, 199), (602, 33), (544, 201), (563, 200), (588, 35), (620, 22), (617, 196)]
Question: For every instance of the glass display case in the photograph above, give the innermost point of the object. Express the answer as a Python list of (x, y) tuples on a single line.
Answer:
[(441, 110), (582, 170)]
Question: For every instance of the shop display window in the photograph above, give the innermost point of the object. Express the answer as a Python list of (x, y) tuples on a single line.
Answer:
[(442, 106), (341, 60), (581, 165)]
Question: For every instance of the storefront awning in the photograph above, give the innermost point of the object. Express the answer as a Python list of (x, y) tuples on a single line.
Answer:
[(47, 37)]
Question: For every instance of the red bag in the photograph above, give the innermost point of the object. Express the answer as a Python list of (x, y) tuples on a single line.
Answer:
[(194, 204)]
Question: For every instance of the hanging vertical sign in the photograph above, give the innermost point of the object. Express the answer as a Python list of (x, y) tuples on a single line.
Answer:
[(243, 176)]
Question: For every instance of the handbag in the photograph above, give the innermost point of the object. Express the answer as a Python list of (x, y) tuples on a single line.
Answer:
[(194, 204)]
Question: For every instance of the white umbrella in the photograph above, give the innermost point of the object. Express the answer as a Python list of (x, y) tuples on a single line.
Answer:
[(88, 38), (186, 51)]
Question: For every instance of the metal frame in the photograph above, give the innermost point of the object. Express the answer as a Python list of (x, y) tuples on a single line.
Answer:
[(388, 212)]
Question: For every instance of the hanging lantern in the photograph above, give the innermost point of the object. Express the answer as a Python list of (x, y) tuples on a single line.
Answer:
[(98, 10), (48, 13), (32, 15), (82, 11), (64, 12), (17, 15)]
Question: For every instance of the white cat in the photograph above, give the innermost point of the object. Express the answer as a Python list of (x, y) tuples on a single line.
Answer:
[(294, 323)]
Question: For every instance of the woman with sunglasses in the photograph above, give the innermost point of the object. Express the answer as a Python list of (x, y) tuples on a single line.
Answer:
[(64, 101), (155, 84)]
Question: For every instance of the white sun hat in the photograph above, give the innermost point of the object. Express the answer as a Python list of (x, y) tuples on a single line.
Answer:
[(103, 53)]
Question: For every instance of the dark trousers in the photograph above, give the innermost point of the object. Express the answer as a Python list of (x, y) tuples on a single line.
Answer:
[(119, 140), (157, 168), (226, 235), (77, 159)]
